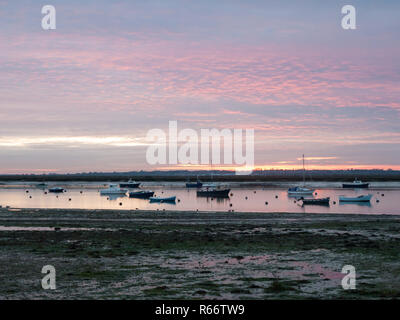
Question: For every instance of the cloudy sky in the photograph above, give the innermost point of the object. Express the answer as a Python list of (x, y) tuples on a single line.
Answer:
[(83, 97)]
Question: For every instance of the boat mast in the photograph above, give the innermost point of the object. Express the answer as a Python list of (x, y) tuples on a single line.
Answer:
[(304, 173), (212, 178)]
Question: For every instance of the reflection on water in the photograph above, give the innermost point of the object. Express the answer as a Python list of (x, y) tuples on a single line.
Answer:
[(364, 204), (113, 197), (384, 201)]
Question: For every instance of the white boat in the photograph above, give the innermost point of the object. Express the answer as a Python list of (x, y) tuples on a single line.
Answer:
[(363, 198), (209, 185), (301, 190), (165, 199), (113, 189)]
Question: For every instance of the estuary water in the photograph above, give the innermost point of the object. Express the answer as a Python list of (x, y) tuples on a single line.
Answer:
[(248, 198)]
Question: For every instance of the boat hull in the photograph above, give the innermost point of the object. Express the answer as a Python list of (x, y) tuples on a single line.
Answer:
[(293, 193), (56, 190), (355, 186), (168, 199), (129, 185), (194, 185), (141, 195), (366, 198), (223, 193), (300, 191), (112, 192), (320, 202)]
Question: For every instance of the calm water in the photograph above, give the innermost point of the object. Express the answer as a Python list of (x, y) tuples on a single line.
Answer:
[(277, 198)]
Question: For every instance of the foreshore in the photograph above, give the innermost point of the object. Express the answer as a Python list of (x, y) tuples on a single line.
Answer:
[(116, 254)]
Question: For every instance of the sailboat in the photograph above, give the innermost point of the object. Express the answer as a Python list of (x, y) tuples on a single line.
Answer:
[(301, 190)]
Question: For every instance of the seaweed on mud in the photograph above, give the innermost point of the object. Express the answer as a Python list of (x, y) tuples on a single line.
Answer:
[(148, 255)]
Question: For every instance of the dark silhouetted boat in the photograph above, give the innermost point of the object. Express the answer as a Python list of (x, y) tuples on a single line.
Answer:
[(143, 194), (197, 184), (356, 184), (320, 201), (213, 192), (129, 184), (56, 190)]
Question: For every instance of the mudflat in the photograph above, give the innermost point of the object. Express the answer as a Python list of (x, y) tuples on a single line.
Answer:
[(101, 254)]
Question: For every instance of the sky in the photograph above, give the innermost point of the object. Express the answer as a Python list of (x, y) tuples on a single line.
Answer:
[(83, 97)]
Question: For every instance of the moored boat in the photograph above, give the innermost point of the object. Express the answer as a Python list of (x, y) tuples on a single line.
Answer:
[(301, 190), (320, 201), (113, 189), (56, 190), (363, 198), (164, 199), (142, 194), (115, 196), (130, 184), (214, 192), (356, 184), (197, 184), (41, 185)]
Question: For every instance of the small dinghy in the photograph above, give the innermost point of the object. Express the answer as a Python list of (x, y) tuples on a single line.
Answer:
[(56, 190), (143, 194), (165, 199), (320, 201), (363, 198)]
